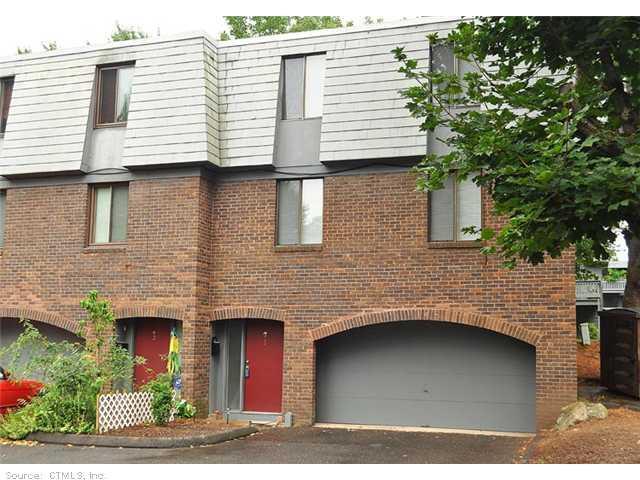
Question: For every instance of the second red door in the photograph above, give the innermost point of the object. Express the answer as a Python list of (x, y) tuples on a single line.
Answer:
[(151, 342), (263, 366)]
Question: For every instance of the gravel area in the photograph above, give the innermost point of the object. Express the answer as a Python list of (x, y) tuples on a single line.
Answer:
[(178, 428), (615, 439)]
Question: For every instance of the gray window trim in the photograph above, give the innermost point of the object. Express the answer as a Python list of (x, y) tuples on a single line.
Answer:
[(2, 87), (300, 217), (304, 85), (456, 220), (92, 217), (98, 96)]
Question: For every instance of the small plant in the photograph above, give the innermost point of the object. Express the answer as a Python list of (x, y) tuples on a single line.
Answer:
[(74, 374), (594, 332), (185, 410), (162, 401)]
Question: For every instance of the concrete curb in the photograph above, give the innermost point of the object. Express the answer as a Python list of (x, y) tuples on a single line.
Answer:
[(139, 442)]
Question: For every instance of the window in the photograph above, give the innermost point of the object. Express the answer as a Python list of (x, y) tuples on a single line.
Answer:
[(3, 210), (453, 208), (442, 59), (109, 207), (303, 87), (6, 89), (300, 211), (114, 95)]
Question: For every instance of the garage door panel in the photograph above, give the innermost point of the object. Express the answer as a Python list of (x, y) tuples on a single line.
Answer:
[(467, 415), (426, 373)]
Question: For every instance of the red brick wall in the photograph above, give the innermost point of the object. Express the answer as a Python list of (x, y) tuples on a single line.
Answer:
[(197, 248)]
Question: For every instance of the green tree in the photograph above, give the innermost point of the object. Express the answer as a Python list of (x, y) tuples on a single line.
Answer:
[(246, 27), (552, 118), (121, 33)]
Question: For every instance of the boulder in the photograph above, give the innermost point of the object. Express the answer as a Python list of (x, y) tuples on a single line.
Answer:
[(597, 410), (577, 412)]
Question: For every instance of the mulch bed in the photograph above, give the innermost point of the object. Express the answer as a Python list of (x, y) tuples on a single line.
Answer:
[(588, 358), (179, 428), (615, 439)]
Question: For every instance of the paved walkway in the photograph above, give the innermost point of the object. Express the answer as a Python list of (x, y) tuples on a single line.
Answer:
[(295, 445)]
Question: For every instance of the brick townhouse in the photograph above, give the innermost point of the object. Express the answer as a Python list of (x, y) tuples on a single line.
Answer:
[(256, 196)]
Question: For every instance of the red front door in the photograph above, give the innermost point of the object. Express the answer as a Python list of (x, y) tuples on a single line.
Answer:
[(151, 342), (263, 367)]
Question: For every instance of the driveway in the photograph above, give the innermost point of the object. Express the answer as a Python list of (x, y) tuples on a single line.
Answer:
[(295, 445)]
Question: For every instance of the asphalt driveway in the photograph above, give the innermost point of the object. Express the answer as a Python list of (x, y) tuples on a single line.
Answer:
[(295, 445)]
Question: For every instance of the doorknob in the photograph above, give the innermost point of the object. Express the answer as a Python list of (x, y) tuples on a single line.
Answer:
[(246, 369)]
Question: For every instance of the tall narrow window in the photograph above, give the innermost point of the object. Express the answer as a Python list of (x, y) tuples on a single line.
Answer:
[(442, 59), (454, 208), (114, 95), (300, 205), (109, 214), (3, 212), (6, 90), (303, 87)]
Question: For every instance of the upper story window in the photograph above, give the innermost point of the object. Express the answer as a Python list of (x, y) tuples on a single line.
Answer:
[(6, 89), (453, 208), (3, 210), (114, 95), (442, 59), (303, 87), (300, 211), (109, 213)]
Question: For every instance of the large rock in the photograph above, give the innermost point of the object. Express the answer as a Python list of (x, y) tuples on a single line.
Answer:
[(579, 412), (597, 410)]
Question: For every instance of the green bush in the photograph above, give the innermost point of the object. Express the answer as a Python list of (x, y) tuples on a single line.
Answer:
[(594, 331), (162, 401), (74, 374), (185, 410)]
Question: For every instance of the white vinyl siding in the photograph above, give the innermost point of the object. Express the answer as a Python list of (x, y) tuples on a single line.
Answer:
[(172, 86), (110, 213), (300, 205), (453, 208)]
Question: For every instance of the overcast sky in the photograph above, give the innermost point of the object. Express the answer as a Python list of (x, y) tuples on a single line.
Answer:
[(28, 23)]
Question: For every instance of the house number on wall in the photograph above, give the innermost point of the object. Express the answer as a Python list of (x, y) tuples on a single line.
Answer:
[(264, 337)]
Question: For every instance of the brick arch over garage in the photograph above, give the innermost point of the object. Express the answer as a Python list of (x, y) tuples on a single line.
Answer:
[(263, 313), (449, 315), (151, 311), (40, 316)]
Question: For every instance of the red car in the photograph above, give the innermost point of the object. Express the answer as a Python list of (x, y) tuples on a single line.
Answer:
[(15, 394)]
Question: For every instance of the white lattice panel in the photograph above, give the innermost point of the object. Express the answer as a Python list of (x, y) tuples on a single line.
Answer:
[(120, 410)]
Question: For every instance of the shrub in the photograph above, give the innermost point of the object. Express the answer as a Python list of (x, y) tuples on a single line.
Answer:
[(594, 331), (185, 410), (162, 398), (74, 374)]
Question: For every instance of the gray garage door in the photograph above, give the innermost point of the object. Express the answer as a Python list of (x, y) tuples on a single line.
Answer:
[(426, 374)]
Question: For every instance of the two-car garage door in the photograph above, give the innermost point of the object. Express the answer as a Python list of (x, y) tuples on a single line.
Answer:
[(426, 374)]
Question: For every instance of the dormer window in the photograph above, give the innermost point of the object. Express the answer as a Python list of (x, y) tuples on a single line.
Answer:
[(114, 95), (6, 89), (303, 87)]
